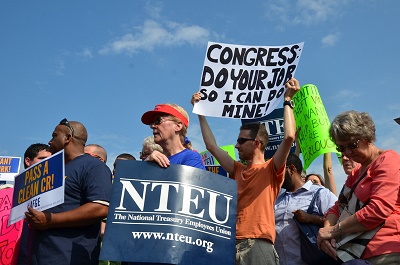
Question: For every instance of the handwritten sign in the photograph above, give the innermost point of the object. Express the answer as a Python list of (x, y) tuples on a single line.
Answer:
[(9, 167), (212, 164), (9, 234), (177, 215), (311, 117), (41, 186), (245, 82)]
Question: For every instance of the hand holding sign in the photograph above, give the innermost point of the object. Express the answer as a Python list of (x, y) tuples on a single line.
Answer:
[(158, 157), (38, 220), (292, 86), (245, 82), (195, 98)]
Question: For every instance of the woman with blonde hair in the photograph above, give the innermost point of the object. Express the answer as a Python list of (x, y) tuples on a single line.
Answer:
[(169, 123)]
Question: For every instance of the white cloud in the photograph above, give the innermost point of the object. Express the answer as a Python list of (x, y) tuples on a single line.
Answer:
[(330, 40), (155, 34), (304, 11), (87, 53)]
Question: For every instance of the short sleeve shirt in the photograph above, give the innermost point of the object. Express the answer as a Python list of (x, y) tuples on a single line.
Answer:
[(87, 179)]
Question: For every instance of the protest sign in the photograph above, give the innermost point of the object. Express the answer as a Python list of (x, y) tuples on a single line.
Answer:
[(212, 164), (41, 186), (311, 117), (245, 82), (9, 167), (274, 125), (9, 234), (177, 215)]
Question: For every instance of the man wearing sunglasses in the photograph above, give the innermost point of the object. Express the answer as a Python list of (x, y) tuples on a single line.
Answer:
[(258, 181), (70, 233)]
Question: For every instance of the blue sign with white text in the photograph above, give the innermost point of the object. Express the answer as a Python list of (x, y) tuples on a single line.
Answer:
[(177, 215)]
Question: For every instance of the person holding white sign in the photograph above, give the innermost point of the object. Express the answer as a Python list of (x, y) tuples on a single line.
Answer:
[(259, 181), (70, 233)]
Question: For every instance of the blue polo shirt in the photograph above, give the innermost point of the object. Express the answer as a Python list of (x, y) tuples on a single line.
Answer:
[(87, 180)]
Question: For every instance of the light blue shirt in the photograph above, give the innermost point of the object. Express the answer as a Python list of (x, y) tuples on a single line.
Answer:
[(287, 242)]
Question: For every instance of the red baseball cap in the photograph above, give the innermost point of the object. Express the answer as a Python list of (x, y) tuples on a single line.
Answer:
[(149, 116)]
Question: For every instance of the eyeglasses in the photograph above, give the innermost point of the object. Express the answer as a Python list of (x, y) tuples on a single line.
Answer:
[(352, 146), (157, 121), (66, 123), (242, 140), (144, 154)]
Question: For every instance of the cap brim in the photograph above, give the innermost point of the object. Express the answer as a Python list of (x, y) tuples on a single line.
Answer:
[(149, 116)]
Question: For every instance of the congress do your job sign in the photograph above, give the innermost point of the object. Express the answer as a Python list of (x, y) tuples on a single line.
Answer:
[(245, 82)]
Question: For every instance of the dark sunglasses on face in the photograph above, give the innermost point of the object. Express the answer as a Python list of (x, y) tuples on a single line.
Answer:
[(242, 140), (352, 146), (157, 121), (66, 123)]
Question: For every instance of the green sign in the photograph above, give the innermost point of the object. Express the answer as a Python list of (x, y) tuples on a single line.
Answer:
[(311, 117)]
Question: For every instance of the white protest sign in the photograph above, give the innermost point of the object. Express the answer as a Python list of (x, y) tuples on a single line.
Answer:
[(245, 82), (41, 186)]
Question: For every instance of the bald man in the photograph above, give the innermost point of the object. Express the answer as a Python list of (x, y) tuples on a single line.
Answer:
[(97, 151), (70, 233)]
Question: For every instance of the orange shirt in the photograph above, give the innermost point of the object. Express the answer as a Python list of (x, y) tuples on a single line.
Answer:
[(258, 187)]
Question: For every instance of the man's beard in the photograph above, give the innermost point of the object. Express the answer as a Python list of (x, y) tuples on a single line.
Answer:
[(287, 182)]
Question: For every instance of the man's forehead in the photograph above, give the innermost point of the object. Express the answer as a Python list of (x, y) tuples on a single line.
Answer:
[(58, 128), (43, 151)]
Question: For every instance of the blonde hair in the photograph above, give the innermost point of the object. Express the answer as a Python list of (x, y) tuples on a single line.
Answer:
[(182, 133)]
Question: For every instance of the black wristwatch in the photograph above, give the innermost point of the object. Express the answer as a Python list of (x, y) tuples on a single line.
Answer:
[(290, 103)]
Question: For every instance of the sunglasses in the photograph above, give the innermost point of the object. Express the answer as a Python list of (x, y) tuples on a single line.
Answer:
[(66, 123), (352, 146), (157, 121), (242, 140)]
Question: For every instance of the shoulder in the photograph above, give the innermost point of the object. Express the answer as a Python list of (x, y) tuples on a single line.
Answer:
[(386, 165), (191, 153), (87, 163), (389, 156), (187, 157), (186, 154), (325, 194)]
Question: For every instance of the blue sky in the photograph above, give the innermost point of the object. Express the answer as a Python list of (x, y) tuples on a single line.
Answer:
[(104, 63)]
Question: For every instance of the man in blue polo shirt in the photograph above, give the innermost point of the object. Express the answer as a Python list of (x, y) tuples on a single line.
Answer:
[(70, 233)]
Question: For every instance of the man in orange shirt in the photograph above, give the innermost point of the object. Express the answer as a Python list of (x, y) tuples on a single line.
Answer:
[(259, 181)]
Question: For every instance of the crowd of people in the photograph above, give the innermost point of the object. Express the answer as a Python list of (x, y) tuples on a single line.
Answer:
[(360, 224)]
